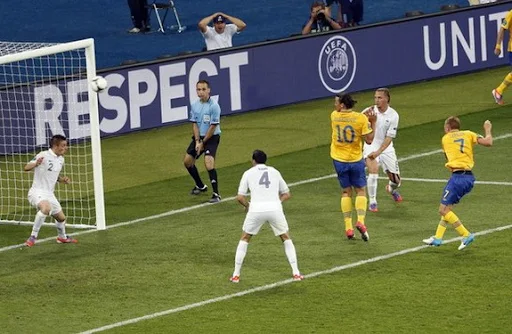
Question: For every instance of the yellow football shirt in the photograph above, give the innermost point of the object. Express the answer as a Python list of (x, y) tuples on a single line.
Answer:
[(458, 148), (506, 24), (348, 129)]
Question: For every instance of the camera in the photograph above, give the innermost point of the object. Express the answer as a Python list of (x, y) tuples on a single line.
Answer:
[(320, 16)]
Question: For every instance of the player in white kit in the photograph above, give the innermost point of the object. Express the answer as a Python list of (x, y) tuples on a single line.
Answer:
[(47, 166), (381, 151), (267, 190)]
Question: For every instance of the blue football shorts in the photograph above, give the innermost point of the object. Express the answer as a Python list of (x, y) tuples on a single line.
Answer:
[(458, 185), (350, 174)]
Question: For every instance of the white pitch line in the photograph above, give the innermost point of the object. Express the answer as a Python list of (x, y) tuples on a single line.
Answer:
[(277, 284), (190, 208), (414, 179)]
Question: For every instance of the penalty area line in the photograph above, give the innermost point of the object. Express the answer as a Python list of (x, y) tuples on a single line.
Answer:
[(279, 283), (414, 179), (193, 207)]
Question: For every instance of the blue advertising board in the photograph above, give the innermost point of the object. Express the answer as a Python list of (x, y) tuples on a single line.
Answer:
[(285, 72)]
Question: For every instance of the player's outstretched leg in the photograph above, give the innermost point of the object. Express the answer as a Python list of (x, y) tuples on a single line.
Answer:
[(372, 192), (498, 92), (498, 98), (392, 189)]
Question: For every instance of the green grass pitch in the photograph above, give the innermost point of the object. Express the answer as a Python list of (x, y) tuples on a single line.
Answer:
[(176, 259)]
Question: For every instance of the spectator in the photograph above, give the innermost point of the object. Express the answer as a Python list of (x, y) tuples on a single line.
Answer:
[(219, 36), (139, 11), (339, 13), (319, 21), (353, 11)]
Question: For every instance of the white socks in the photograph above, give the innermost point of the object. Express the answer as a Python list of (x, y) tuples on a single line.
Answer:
[(38, 222), (61, 229), (372, 187), (241, 250), (289, 249)]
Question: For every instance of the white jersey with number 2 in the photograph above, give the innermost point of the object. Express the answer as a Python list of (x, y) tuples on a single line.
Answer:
[(264, 184), (47, 173)]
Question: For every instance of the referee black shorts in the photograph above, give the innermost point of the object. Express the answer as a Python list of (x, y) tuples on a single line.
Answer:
[(209, 147)]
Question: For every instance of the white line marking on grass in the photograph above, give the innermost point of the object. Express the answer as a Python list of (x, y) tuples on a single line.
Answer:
[(189, 208), (277, 284), (414, 179)]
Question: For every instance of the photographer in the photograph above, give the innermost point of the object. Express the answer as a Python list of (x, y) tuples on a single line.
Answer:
[(319, 21)]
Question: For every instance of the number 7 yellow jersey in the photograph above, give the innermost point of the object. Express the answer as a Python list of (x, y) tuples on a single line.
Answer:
[(348, 129), (458, 148)]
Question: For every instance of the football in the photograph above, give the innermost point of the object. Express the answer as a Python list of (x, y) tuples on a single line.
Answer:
[(98, 84)]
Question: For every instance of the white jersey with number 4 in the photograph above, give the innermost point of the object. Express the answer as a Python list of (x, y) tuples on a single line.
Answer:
[(385, 126), (264, 184), (47, 173)]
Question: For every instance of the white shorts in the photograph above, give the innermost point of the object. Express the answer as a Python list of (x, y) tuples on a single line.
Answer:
[(255, 220), (387, 160), (35, 197)]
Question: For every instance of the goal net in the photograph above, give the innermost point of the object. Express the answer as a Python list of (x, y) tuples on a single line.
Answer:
[(44, 91)]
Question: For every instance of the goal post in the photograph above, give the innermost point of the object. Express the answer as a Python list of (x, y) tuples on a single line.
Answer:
[(44, 91)]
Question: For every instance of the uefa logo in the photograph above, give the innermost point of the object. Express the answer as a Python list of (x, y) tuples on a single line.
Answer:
[(337, 64)]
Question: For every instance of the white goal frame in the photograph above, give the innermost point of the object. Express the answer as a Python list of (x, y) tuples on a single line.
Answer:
[(88, 46)]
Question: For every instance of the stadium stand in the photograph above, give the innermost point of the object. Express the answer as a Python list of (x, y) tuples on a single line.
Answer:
[(266, 20)]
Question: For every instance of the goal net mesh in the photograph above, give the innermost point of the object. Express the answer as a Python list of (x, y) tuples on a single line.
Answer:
[(40, 97)]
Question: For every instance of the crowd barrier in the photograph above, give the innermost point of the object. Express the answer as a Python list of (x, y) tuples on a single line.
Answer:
[(297, 69)]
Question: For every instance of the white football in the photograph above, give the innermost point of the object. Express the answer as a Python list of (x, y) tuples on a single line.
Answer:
[(98, 83)]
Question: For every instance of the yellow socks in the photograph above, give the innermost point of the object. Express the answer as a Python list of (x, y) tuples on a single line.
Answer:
[(346, 208), (361, 205), (441, 228), (504, 85), (452, 218), (463, 232)]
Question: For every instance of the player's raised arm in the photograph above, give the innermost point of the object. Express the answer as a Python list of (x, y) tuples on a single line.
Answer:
[(499, 41), (487, 140), (372, 119)]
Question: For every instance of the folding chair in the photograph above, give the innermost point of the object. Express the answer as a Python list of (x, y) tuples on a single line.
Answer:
[(164, 7)]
